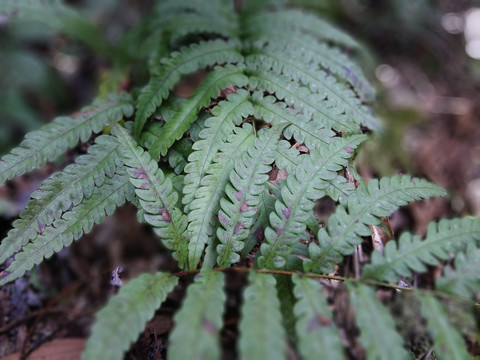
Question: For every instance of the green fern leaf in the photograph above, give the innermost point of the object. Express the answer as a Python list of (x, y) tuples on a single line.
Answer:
[(72, 225), (377, 327), (298, 21), (124, 317), (53, 139), (178, 155), (262, 335), (316, 332), (157, 196), (447, 342), (365, 206), (248, 178), (170, 70), (464, 281), (204, 208), (63, 190), (295, 126), (295, 66), (323, 113), (312, 178), (198, 323), (256, 232), (55, 14), (227, 114), (443, 238), (323, 56), (218, 79)]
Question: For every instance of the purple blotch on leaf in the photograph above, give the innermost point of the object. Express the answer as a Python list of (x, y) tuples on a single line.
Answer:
[(209, 326), (140, 174), (349, 150), (244, 207), (238, 195), (287, 212), (166, 215)]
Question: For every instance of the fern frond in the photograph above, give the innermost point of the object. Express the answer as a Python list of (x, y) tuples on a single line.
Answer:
[(262, 335), (411, 255), (198, 323), (365, 206), (313, 176), (447, 342), (57, 15), (464, 281), (321, 56), (63, 190), (298, 21), (227, 115), (72, 225), (204, 208), (296, 66), (170, 70), (49, 142), (218, 79), (377, 327), (316, 332), (303, 100), (156, 195), (124, 317), (296, 126), (238, 211)]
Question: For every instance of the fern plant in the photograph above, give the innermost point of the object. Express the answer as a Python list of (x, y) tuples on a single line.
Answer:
[(198, 169)]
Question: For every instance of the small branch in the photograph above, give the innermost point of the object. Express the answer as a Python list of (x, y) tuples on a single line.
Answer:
[(338, 278)]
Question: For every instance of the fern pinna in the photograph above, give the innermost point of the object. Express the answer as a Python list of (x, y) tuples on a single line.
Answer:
[(283, 92)]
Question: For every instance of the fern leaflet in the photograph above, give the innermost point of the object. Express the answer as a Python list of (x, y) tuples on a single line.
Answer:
[(303, 100), (72, 225), (365, 206), (166, 74), (296, 20), (295, 125), (443, 238), (218, 79), (313, 176), (53, 139), (203, 209), (156, 195), (248, 178), (261, 331), (55, 14), (124, 317), (448, 343), (293, 66), (464, 281), (377, 327), (198, 323), (227, 114), (317, 334), (60, 192)]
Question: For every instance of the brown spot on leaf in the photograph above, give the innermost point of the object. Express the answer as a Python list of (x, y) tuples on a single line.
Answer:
[(317, 322)]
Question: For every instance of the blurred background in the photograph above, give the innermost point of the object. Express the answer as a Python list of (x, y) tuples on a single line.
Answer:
[(423, 58)]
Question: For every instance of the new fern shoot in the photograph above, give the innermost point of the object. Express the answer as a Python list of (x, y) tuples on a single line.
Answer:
[(278, 79)]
